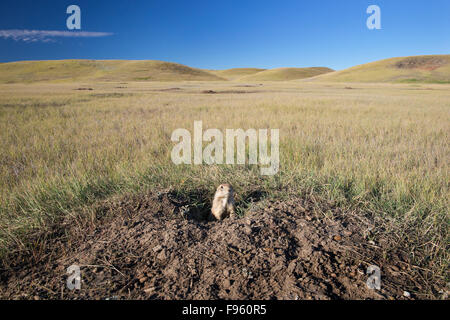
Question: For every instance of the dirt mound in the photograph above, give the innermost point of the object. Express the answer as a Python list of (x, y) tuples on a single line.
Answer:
[(424, 63), (159, 247)]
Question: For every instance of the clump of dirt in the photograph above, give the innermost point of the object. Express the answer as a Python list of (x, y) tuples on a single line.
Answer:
[(424, 63), (170, 89), (227, 91), (159, 246), (249, 85), (110, 95)]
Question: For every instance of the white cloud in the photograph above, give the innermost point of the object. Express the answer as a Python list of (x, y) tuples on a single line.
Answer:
[(47, 35)]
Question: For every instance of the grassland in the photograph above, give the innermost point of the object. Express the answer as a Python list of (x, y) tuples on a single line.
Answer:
[(285, 74), (235, 73), (138, 70), (100, 70), (417, 69), (378, 148)]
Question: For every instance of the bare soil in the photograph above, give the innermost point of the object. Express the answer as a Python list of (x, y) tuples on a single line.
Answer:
[(228, 92), (424, 63), (156, 246)]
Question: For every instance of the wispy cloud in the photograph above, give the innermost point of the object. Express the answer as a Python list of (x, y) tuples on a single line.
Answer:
[(48, 35)]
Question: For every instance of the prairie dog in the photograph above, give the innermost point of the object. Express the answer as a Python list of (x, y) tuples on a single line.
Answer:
[(223, 203)]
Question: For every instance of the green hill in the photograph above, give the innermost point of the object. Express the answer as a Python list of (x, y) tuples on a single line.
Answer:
[(284, 74), (100, 70), (429, 69)]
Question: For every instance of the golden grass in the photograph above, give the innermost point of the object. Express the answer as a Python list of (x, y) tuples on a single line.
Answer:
[(382, 148), (235, 73), (138, 70), (425, 69), (100, 70), (285, 74)]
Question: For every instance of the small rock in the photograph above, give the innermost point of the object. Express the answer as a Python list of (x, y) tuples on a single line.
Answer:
[(337, 238), (395, 268), (248, 230), (142, 279), (157, 248), (162, 255), (226, 283), (226, 272), (149, 290), (406, 294)]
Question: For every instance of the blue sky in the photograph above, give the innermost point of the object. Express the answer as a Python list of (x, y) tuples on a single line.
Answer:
[(225, 34)]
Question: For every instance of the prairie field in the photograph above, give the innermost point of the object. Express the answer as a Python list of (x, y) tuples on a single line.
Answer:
[(379, 149)]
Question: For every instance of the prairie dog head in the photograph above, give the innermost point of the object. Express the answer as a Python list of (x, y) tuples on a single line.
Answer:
[(224, 190)]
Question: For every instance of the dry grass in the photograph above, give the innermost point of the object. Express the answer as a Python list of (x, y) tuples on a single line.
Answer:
[(285, 74), (416, 69), (235, 73), (100, 70), (380, 148)]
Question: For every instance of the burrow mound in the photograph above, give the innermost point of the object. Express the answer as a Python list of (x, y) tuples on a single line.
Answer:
[(158, 247)]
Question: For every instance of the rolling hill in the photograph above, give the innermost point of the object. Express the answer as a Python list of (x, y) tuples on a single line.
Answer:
[(425, 69), (235, 73), (100, 70), (429, 69), (284, 74)]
